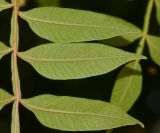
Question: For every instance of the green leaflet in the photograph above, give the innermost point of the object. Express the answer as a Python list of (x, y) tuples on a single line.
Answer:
[(128, 86), (157, 2), (4, 50), (5, 98), (77, 114), (12, 30), (121, 41), (74, 61), (48, 2), (4, 5), (70, 25), (154, 48), (15, 125)]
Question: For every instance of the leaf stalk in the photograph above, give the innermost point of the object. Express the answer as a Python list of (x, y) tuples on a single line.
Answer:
[(15, 78), (147, 18)]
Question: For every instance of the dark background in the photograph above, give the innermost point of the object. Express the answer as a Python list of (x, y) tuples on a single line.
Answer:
[(146, 109)]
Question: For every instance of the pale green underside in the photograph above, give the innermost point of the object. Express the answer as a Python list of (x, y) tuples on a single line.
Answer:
[(77, 114), (4, 50), (154, 48), (70, 25), (74, 61), (128, 86), (4, 5), (5, 98)]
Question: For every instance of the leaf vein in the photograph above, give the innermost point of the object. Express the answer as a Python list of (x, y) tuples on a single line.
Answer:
[(27, 105), (68, 24)]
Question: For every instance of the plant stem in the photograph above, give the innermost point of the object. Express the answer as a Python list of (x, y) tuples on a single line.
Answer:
[(145, 27), (15, 79), (15, 50), (141, 45)]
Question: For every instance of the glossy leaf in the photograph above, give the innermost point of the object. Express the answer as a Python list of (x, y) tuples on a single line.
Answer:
[(4, 5), (4, 50), (74, 61), (157, 2), (77, 114), (70, 25), (122, 41), (128, 86), (154, 48), (5, 98), (48, 2)]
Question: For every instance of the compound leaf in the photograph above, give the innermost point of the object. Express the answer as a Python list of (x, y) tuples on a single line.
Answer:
[(154, 48), (5, 98), (128, 86), (157, 2), (77, 114), (4, 5), (74, 61), (70, 25), (4, 50)]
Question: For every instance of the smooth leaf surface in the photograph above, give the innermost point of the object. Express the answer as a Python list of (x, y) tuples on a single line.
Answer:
[(5, 98), (4, 5), (70, 25), (122, 41), (157, 2), (128, 86), (154, 48), (77, 114), (4, 50), (74, 61)]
